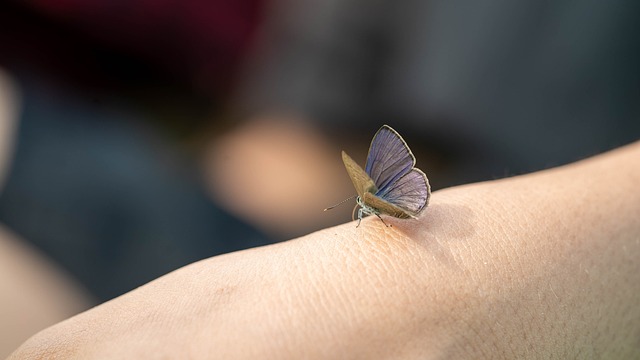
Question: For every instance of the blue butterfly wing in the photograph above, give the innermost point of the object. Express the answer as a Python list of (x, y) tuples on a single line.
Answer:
[(411, 192), (389, 158)]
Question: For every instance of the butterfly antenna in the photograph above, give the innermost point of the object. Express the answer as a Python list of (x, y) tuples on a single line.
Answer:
[(340, 203)]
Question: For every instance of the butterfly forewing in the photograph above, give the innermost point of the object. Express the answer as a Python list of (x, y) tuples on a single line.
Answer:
[(361, 181), (389, 158)]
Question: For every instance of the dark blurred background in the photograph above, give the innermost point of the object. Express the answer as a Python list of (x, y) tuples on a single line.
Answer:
[(153, 134), (114, 95)]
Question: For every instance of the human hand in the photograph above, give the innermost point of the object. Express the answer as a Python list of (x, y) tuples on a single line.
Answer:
[(537, 266)]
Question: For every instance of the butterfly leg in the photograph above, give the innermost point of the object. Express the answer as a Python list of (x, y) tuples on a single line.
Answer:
[(379, 217), (359, 217)]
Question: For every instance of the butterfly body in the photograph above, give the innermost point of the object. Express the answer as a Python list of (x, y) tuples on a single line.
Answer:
[(389, 184)]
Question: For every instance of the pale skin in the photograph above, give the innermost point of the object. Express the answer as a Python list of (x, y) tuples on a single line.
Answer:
[(537, 266)]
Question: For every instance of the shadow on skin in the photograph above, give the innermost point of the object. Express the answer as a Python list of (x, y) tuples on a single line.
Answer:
[(441, 226)]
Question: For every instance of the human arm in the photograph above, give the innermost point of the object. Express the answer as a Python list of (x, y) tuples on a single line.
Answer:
[(540, 265)]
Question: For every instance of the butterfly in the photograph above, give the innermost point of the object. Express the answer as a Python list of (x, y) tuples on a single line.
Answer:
[(389, 184)]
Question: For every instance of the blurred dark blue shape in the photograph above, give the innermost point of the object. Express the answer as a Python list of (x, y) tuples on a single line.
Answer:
[(108, 199), (500, 86)]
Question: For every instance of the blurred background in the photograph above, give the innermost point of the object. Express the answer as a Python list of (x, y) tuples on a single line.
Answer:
[(141, 136)]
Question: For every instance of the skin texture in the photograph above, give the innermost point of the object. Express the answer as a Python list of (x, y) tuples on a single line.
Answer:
[(34, 293), (536, 266)]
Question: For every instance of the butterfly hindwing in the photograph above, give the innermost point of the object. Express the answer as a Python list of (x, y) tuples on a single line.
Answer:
[(384, 207), (410, 192)]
